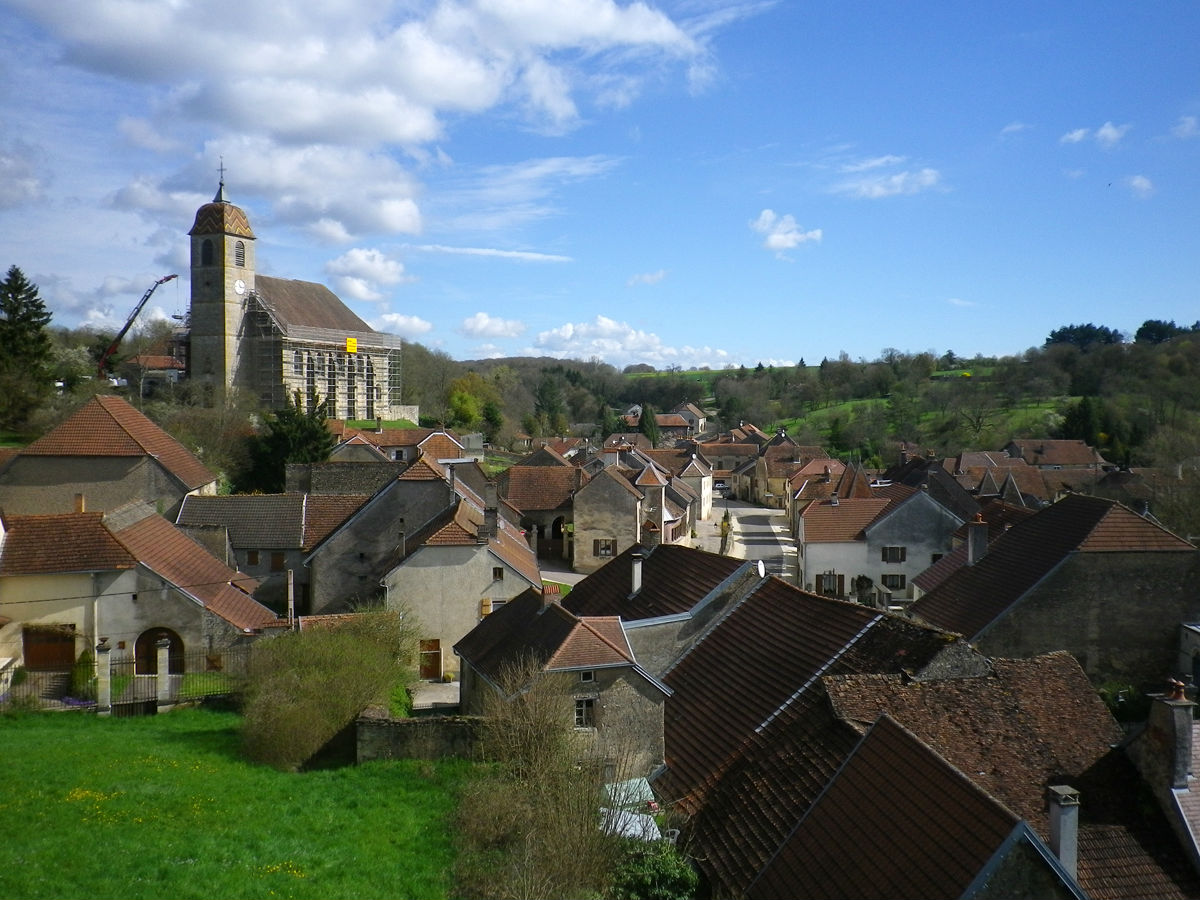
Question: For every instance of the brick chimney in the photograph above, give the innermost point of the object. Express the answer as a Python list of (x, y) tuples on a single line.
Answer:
[(1064, 826), (636, 576), (977, 539)]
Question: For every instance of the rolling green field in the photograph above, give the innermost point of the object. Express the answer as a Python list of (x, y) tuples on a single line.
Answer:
[(164, 806)]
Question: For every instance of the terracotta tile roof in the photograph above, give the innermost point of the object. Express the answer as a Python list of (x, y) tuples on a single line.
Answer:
[(951, 828), (423, 469), (541, 487), (510, 547), (307, 304), (323, 513), (176, 558), (633, 438), (108, 426), (1028, 480), (598, 641), (52, 544), (156, 361), (825, 521), (674, 579), (972, 597)]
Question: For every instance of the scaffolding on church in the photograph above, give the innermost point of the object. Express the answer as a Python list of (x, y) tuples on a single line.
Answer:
[(357, 374)]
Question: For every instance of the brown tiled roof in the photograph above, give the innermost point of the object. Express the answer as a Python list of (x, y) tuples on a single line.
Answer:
[(1028, 480), (633, 438), (674, 579), (747, 754), (1041, 452), (541, 487), (323, 513), (52, 544), (423, 469), (1034, 723), (951, 828), (721, 448), (156, 361), (109, 426), (308, 304), (271, 521), (176, 558), (825, 521), (534, 626), (971, 598)]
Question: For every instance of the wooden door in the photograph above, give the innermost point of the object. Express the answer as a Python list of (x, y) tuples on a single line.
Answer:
[(50, 648), (431, 659)]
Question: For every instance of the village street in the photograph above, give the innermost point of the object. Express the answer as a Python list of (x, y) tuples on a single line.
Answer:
[(760, 533)]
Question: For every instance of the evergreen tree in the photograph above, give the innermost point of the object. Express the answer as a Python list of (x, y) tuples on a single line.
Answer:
[(290, 435), (648, 424), (24, 349)]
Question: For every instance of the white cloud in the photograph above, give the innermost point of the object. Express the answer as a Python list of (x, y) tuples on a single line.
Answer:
[(1186, 127), (876, 162), (405, 326), (1015, 128), (620, 344), (647, 278), (359, 273), (1074, 137), (958, 301), (1109, 135), (522, 255), (781, 232), (481, 325), (141, 133), (19, 181), (1140, 185), (875, 187)]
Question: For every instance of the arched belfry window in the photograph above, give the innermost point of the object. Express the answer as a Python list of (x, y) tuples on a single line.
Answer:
[(239, 253), (206, 253)]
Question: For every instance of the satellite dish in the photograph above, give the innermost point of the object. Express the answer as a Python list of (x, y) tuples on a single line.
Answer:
[(762, 569)]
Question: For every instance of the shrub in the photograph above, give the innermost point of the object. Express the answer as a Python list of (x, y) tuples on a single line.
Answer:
[(83, 677), (306, 686), (653, 871)]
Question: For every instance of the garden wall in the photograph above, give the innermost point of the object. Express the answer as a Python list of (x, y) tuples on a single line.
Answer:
[(427, 737)]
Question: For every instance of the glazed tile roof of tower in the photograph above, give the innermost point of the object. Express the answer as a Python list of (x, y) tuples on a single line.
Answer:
[(221, 217), (109, 426)]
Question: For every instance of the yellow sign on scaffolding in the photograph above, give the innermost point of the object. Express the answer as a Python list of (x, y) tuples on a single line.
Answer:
[(351, 345)]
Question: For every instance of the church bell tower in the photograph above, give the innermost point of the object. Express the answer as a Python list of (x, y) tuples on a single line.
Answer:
[(222, 273)]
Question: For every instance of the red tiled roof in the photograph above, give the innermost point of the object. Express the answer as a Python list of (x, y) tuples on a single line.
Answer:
[(176, 558), (424, 469), (825, 521), (53, 544), (1041, 452), (108, 426), (531, 488)]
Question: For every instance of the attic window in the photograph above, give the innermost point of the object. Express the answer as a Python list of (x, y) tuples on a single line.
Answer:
[(239, 254), (497, 573), (587, 676), (604, 547)]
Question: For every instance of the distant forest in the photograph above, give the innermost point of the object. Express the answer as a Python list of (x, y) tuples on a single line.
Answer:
[(1136, 400)]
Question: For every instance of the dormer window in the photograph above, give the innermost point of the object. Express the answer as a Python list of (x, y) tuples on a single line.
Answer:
[(239, 254)]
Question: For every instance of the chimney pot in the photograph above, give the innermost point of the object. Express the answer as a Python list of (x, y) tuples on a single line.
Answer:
[(1064, 826)]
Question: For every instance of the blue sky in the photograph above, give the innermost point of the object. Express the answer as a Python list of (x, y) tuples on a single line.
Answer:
[(685, 183)]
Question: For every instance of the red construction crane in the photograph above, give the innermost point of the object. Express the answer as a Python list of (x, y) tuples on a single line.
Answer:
[(112, 348)]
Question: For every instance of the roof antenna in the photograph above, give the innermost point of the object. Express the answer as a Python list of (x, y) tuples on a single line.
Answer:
[(220, 198)]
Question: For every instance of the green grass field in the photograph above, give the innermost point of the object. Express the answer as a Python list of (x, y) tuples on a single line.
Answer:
[(164, 806)]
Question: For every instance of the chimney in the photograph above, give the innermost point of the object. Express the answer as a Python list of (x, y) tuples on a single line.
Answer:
[(1064, 826), (977, 539), (488, 529), (551, 593), (828, 475), (379, 424), (833, 500), (1164, 755), (637, 558), (904, 456), (80, 503), (452, 480)]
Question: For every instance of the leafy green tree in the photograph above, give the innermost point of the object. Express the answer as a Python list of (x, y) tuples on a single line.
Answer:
[(289, 435), (1155, 331), (1084, 336), (24, 349)]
